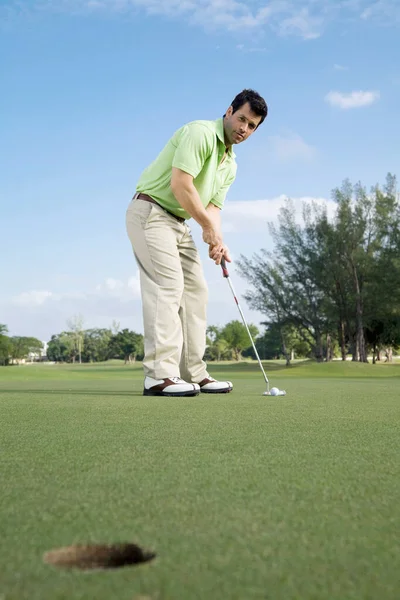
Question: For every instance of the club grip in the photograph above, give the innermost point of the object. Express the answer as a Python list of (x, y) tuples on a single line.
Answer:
[(224, 267)]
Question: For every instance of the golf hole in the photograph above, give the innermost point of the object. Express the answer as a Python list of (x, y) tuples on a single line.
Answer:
[(98, 556)]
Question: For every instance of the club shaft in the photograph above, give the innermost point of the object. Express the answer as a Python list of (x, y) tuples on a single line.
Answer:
[(245, 324)]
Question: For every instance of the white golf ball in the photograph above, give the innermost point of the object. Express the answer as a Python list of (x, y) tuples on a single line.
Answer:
[(274, 391)]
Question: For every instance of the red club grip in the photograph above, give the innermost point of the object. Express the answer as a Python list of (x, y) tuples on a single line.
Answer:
[(224, 268)]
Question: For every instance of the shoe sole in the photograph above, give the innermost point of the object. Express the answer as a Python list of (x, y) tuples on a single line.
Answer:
[(216, 391), (171, 394)]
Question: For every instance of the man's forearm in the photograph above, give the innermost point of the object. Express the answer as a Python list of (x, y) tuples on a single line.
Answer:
[(188, 197), (215, 215)]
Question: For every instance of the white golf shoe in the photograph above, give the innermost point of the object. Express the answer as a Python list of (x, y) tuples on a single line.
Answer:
[(212, 386), (170, 386)]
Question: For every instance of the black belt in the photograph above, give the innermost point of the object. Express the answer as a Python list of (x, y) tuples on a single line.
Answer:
[(140, 196)]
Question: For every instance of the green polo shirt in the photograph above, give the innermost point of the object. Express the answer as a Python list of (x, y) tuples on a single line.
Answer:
[(196, 148)]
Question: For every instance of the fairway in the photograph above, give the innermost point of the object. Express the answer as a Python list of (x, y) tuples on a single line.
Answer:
[(240, 496)]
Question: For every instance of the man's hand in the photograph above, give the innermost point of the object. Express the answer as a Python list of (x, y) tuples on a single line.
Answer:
[(212, 236), (217, 252)]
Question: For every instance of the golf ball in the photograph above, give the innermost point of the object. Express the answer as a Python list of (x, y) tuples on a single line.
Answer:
[(274, 391)]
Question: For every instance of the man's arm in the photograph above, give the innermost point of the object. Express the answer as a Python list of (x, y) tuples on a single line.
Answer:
[(214, 210), (183, 188), (215, 215), (216, 253)]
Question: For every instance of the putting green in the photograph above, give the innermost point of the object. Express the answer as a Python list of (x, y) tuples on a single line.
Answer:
[(240, 496)]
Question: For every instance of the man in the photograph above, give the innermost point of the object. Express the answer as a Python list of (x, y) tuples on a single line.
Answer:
[(188, 179)]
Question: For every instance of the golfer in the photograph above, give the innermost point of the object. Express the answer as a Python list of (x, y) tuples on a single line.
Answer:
[(188, 179)]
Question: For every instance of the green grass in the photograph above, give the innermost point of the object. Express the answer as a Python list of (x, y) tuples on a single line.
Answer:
[(241, 496)]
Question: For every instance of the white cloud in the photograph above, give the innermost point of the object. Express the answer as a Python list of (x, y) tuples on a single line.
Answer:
[(385, 11), (302, 23), (306, 19), (340, 67), (124, 291), (291, 146), (109, 288), (114, 285), (33, 298), (250, 49), (353, 99), (253, 216), (43, 312), (134, 285)]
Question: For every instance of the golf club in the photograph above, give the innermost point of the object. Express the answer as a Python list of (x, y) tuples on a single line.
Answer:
[(270, 392)]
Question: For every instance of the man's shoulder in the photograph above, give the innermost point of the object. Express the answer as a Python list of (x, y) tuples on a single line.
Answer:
[(203, 123), (198, 127), (211, 125)]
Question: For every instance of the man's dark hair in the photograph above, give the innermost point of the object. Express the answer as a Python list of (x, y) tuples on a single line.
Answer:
[(257, 103)]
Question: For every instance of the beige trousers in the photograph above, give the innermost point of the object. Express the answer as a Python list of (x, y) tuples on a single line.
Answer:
[(174, 293)]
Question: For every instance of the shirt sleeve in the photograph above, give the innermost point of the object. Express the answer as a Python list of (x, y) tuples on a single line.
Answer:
[(194, 147), (219, 198)]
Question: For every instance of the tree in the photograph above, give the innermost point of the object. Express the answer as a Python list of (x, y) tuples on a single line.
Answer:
[(69, 341), (356, 243), (384, 336), (75, 325), (237, 337), (280, 340), (115, 325), (383, 289), (366, 232), (127, 345), (21, 347), (284, 282), (332, 279), (96, 344), (57, 349), (5, 345), (217, 346)]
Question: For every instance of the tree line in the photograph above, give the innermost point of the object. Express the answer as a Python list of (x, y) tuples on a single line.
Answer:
[(79, 345), (70, 346), (16, 347), (95, 345), (334, 283)]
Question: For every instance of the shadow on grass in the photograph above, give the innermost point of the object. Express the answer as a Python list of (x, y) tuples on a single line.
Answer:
[(217, 366), (64, 392)]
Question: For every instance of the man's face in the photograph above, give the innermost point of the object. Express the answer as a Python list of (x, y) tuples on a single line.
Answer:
[(240, 125)]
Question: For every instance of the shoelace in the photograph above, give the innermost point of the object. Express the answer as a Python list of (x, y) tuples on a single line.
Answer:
[(177, 380)]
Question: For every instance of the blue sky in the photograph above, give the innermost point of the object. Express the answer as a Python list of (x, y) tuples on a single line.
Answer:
[(91, 91)]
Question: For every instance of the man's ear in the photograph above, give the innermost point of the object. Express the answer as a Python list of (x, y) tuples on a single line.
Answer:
[(229, 112)]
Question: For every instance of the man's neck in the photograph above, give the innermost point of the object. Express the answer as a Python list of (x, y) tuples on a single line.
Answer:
[(227, 145)]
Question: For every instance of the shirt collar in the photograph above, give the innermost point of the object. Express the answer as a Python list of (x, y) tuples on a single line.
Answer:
[(219, 129)]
